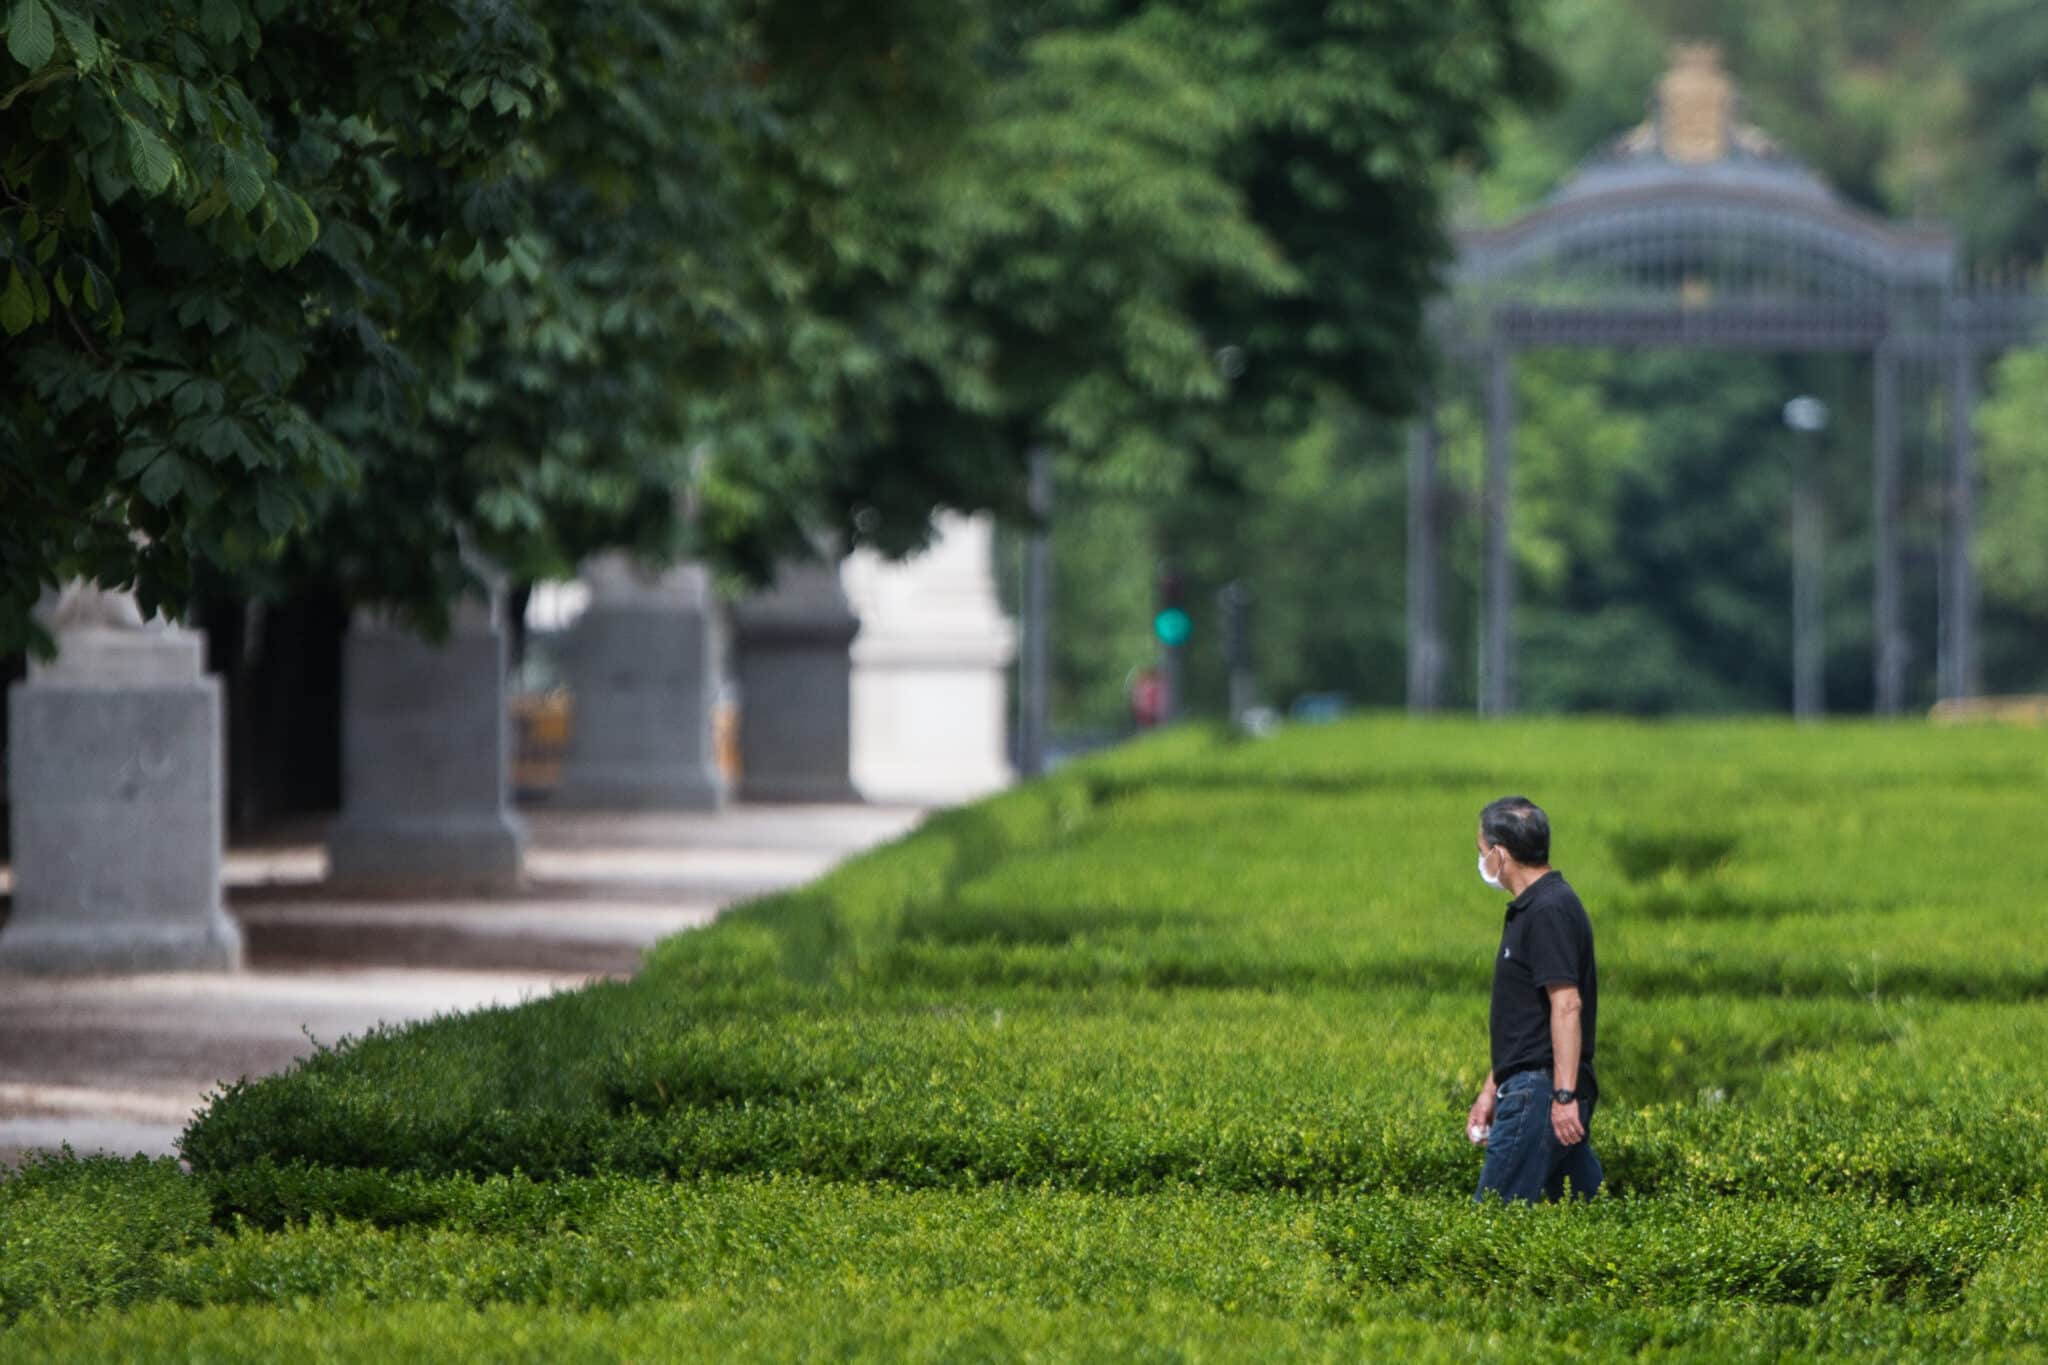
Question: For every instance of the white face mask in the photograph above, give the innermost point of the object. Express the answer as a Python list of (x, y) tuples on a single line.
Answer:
[(1487, 877)]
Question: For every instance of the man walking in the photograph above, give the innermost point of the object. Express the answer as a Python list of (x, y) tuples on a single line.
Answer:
[(1537, 1103)]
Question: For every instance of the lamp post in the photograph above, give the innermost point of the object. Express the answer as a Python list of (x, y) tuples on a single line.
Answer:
[(1234, 604), (1034, 673), (1808, 416)]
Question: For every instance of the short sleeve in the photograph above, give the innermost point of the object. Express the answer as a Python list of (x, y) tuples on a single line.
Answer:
[(1552, 954)]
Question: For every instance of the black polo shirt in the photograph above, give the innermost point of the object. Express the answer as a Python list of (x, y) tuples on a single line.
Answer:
[(1547, 939)]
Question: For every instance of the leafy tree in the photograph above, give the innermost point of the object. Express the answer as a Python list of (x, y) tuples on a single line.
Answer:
[(1996, 167), (2012, 552), (551, 236), (1176, 225), (1650, 527), (514, 274), (188, 193), (653, 318)]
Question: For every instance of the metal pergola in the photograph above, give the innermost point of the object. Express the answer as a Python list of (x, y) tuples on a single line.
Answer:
[(1694, 230)]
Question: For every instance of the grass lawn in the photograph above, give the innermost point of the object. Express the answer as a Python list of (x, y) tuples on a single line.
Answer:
[(1168, 1056)]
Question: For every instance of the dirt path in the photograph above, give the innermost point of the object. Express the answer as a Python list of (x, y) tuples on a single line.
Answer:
[(120, 1063)]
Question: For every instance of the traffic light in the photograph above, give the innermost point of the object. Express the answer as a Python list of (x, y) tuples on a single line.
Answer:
[(1171, 622)]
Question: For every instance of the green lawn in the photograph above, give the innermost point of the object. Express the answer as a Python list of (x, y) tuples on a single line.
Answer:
[(1168, 1057)]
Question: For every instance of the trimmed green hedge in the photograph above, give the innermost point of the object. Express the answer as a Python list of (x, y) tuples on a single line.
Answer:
[(1129, 1091), (1169, 1055), (1319, 1274)]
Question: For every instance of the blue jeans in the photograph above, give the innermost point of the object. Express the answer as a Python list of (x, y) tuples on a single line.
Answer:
[(1524, 1159)]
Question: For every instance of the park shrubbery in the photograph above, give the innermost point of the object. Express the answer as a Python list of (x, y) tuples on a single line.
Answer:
[(1173, 1051)]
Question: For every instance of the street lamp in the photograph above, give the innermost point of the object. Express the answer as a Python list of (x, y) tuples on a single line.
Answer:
[(1808, 416)]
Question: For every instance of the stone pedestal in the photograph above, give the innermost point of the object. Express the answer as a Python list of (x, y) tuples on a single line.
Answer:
[(644, 664), (794, 679), (425, 759), (930, 713), (115, 772)]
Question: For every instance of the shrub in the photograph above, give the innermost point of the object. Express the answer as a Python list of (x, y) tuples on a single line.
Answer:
[(93, 1232), (1170, 1054)]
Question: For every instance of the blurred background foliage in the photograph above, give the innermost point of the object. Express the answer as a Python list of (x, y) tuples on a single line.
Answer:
[(313, 305), (1651, 535)]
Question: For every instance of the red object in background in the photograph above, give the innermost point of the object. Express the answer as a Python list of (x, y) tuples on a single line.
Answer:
[(1148, 698)]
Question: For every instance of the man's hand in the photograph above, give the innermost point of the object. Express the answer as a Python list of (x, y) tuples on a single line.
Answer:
[(1564, 1121), (1481, 1113)]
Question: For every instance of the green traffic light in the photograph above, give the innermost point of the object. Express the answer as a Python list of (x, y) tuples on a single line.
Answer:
[(1172, 626)]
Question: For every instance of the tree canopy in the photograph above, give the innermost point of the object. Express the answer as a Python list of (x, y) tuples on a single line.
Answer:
[(1651, 530), (348, 292)]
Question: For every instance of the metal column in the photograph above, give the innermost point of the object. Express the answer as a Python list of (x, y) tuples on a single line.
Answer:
[(1959, 601), (1034, 681), (1496, 643), (1888, 632), (1425, 627), (1809, 649)]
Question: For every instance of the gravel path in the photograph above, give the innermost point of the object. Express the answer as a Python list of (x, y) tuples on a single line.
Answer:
[(119, 1064)]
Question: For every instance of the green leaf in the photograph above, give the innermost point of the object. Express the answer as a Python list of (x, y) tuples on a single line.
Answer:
[(136, 458), (78, 32), (275, 510), (17, 305), (163, 478), (247, 451), (150, 159), (244, 182), (145, 85), (214, 438), (300, 221), (212, 206), (123, 396), (191, 57), (30, 38), (196, 107), (201, 488), (220, 20)]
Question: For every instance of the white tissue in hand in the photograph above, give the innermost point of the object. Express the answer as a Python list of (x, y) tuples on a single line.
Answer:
[(1477, 1132)]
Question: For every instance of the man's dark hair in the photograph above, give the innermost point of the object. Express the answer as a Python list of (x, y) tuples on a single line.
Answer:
[(1518, 825)]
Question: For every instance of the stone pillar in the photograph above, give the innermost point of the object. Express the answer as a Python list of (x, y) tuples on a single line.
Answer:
[(929, 668), (1497, 600), (1425, 605), (795, 679), (115, 773), (1034, 666), (1961, 673), (644, 664), (425, 761), (1888, 626)]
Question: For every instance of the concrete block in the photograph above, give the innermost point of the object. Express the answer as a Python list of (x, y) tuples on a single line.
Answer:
[(930, 670), (644, 664), (426, 762), (795, 679), (116, 819)]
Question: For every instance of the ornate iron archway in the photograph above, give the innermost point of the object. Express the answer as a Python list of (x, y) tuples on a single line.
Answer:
[(1696, 230)]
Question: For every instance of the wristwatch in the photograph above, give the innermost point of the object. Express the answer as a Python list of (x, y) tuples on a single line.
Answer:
[(1564, 1097)]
